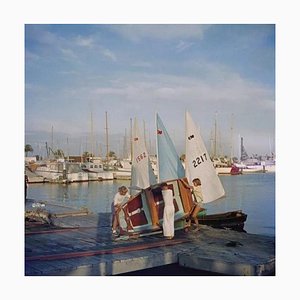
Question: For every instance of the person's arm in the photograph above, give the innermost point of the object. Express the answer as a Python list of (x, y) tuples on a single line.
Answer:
[(126, 198), (186, 184)]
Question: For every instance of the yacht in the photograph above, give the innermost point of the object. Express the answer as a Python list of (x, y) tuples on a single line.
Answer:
[(95, 170)]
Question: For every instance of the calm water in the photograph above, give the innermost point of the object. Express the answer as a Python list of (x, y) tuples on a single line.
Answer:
[(253, 193)]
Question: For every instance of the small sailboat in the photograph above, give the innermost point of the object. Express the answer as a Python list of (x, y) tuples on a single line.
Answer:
[(199, 165)]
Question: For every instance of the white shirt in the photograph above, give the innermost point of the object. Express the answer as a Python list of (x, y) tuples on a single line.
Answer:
[(198, 193), (168, 197), (120, 199)]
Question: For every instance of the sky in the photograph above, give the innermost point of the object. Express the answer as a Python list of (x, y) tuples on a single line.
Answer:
[(222, 74)]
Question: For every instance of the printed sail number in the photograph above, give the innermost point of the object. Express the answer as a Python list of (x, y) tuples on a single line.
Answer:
[(199, 159)]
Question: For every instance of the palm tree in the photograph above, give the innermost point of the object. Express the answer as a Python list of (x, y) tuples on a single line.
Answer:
[(28, 148), (59, 153), (112, 154)]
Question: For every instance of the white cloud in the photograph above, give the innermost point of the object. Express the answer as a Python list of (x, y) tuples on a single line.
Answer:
[(69, 72), (181, 46), (142, 64), (142, 95), (31, 57), (68, 54), (84, 41), (169, 32), (109, 54)]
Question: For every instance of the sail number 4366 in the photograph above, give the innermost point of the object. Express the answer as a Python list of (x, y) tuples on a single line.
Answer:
[(199, 159)]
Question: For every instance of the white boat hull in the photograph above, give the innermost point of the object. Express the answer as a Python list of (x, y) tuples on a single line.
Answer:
[(58, 172), (125, 175), (100, 175), (223, 170)]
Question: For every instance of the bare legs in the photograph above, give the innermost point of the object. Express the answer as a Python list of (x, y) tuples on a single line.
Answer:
[(194, 217), (116, 219)]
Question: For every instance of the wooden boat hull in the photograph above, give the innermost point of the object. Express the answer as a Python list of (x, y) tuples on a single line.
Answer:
[(144, 212), (232, 219)]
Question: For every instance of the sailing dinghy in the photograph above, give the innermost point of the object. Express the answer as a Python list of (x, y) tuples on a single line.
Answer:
[(199, 165)]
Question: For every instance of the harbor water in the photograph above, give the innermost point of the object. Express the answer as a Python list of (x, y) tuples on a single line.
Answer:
[(254, 194)]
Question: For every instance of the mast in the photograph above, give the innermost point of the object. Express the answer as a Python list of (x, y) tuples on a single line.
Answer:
[(239, 148), (244, 154), (100, 150), (52, 137), (156, 140), (81, 152), (92, 135), (270, 148), (211, 139), (106, 131), (47, 150), (131, 149), (215, 137), (68, 149), (125, 151), (231, 139), (242, 148)]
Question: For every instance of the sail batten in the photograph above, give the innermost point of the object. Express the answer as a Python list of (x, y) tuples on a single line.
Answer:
[(198, 163)]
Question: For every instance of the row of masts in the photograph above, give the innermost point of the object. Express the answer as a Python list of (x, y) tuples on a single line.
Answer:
[(125, 142), (216, 143), (215, 140)]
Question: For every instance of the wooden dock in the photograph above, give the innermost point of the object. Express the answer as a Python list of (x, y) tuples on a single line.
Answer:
[(80, 243)]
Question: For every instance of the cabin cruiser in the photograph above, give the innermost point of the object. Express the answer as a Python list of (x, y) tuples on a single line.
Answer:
[(95, 170)]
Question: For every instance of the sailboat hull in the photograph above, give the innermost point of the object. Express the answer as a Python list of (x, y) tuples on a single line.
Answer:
[(232, 219), (144, 212)]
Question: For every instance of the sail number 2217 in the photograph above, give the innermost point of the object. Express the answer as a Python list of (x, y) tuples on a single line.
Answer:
[(199, 159)]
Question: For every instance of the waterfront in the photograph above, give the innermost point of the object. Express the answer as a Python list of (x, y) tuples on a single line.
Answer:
[(254, 194)]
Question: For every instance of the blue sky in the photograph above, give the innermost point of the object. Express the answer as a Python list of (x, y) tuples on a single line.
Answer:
[(222, 72)]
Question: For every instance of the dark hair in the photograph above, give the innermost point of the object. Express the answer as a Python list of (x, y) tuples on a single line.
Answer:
[(197, 180), (122, 189), (164, 184)]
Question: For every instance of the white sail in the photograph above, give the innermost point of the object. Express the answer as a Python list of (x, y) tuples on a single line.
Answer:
[(142, 175), (198, 163)]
